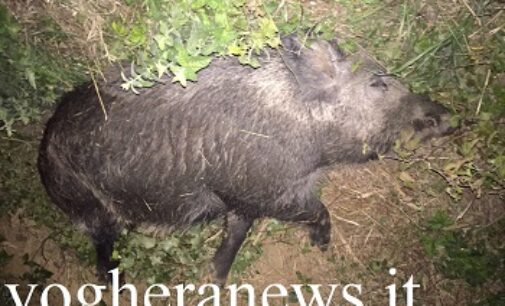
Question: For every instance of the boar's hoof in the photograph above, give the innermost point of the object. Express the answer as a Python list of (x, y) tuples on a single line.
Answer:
[(218, 280), (320, 233), (104, 277), (320, 239)]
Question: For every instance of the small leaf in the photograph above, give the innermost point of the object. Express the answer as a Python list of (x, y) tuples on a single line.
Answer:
[(406, 178), (235, 49), (161, 68), (30, 76), (268, 27), (161, 41), (222, 19), (246, 60), (148, 242), (179, 74)]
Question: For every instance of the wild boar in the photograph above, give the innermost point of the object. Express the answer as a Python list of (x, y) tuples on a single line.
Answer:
[(240, 143)]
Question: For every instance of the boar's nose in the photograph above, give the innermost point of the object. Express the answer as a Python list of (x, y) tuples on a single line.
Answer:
[(446, 125)]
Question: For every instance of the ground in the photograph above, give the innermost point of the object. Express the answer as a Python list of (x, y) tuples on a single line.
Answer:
[(400, 212)]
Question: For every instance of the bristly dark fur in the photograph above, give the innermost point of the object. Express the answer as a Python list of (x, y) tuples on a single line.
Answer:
[(243, 143)]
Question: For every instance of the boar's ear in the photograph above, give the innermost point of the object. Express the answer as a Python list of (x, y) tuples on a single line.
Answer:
[(315, 67), (290, 43)]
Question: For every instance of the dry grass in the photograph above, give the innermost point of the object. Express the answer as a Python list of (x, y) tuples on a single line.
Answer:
[(82, 22), (376, 217)]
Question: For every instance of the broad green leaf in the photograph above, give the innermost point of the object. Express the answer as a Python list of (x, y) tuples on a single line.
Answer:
[(267, 27), (246, 60), (222, 19), (196, 4), (235, 49), (161, 68), (179, 74)]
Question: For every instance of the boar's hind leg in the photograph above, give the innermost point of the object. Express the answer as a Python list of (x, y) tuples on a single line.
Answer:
[(236, 231), (85, 210), (320, 229), (100, 226), (103, 238)]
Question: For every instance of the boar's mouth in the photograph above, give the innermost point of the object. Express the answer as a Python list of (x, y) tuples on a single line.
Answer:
[(433, 126), (429, 119)]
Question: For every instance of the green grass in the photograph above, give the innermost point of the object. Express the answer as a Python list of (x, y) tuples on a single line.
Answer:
[(31, 78), (476, 255), (454, 54)]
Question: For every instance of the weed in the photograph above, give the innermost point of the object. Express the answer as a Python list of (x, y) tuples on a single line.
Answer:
[(449, 51), (471, 255), (31, 79)]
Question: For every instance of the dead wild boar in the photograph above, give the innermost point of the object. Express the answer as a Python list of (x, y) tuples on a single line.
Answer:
[(240, 143)]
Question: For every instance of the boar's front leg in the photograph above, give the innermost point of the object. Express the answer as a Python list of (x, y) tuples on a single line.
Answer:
[(236, 232), (320, 229), (313, 214)]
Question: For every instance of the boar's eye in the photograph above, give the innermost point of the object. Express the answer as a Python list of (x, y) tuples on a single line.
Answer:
[(430, 122), (379, 82), (431, 119), (421, 124)]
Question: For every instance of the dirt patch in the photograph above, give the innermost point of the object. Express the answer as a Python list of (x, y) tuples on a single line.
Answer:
[(379, 210)]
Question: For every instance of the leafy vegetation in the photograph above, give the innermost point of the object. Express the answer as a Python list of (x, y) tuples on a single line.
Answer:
[(184, 256), (4, 257), (179, 257), (31, 78), (181, 37), (476, 256), (21, 190), (453, 52)]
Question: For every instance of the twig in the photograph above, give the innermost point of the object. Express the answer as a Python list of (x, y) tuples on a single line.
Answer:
[(99, 96), (214, 237), (442, 175), (279, 7), (260, 233), (348, 247), (42, 245), (494, 221), (472, 12), (404, 213), (345, 220), (486, 83), (368, 236), (487, 23), (27, 142), (460, 216), (373, 219)]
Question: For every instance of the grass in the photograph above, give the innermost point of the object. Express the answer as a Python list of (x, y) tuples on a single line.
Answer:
[(436, 212), (32, 77)]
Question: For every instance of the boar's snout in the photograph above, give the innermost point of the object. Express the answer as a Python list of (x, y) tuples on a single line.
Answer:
[(446, 127), (431, 119)]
